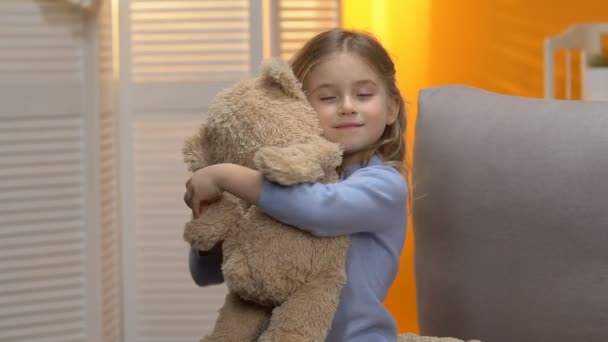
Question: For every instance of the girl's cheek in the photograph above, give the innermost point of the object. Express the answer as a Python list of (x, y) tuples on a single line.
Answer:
[(331, 107), (323, 110)]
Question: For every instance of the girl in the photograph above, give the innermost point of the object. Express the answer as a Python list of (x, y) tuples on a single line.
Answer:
[(349, 79)]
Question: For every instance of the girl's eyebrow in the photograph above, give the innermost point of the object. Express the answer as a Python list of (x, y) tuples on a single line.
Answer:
[(366, 81), (321, 86), (331, 85)]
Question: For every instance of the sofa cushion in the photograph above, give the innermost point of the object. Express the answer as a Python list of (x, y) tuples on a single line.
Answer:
[(510, 210)]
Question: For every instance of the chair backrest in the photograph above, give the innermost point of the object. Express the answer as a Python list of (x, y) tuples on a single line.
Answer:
[(587, 38), (510, 216)]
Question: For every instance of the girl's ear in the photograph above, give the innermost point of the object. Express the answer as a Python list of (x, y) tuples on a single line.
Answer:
[(393, 110), (278, 74)]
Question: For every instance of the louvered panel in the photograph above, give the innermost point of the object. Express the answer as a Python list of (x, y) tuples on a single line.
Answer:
[(170, 307), (23, 264), (42, 173), (39, 39), (180, 54), (61, 331), (41, 240), (12, 222), (105, 40), (39, 13), (189, 40), (108, 181), (300, 20), (110, 251), (23, 241)]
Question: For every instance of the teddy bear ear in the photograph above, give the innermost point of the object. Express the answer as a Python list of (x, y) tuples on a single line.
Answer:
[(276, 73), (193, 151)]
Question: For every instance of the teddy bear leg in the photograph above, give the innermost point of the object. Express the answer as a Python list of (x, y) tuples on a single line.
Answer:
[(307, 315), (239, 321), (409, 337)]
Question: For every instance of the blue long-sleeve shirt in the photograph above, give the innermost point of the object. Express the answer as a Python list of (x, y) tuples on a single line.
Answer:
[(370, 205)]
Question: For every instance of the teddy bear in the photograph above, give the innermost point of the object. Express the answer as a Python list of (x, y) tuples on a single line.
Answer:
[(409, 337), (283, 283)]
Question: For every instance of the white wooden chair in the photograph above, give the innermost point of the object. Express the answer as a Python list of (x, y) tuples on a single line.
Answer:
[(588, 38)]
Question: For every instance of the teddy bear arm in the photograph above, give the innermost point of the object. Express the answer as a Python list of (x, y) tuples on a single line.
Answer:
[(298, 163), (193, 151), (214, 223)]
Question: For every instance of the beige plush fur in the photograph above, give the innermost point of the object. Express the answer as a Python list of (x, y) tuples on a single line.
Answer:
[(284, 284), (415, 338)]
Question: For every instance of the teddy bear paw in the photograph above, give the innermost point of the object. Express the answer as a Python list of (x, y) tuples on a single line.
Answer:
[(194, 234), (287, 165)]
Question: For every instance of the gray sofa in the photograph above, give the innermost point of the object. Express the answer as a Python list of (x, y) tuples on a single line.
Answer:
[(510, 211)]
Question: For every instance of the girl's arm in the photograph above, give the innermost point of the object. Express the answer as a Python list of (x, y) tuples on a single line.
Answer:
[(208, 183), (206, 267), (361, 203), (370, 200)]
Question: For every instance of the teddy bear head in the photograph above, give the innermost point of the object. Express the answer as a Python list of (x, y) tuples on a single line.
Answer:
[(269, 110)]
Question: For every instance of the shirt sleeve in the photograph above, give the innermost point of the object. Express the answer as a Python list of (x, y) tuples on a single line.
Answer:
[(361, 203), (206, 268)]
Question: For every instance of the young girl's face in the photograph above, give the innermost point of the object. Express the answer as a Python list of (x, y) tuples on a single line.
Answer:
[(352, 102)]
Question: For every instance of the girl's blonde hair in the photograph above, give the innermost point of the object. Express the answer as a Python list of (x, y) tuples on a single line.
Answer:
[(391, 144)]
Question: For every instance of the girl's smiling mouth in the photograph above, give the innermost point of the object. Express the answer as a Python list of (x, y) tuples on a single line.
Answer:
[(348, 125)]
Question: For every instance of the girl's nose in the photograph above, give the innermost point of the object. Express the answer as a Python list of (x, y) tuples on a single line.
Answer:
[(347, 107)]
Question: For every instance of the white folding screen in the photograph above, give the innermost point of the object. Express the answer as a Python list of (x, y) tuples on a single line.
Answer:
[(296, 21), (174, 56), (104, 30), (49, 269), (95, 109)]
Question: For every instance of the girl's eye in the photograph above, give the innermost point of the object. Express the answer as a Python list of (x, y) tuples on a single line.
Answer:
[(365, 95), (327, 98)]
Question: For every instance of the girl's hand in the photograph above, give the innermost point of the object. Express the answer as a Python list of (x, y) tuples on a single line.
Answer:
[(207, 185), (202, 189)]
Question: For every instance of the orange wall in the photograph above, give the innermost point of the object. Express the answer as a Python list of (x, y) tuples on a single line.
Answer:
[(490, 44), (497, 45), (402, 27)]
